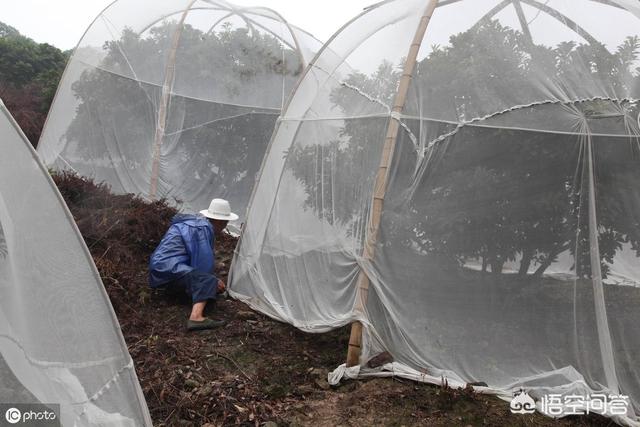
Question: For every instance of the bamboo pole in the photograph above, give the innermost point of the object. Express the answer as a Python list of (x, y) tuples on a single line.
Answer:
[(563, 19), (380, 187), (523, 21), (167, 87)]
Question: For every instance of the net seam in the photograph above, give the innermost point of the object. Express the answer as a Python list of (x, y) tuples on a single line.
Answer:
[(172, 93), (46, 364)]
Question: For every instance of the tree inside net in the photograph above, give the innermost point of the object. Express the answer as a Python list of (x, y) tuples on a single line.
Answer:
[(459, 179), (175, 99)]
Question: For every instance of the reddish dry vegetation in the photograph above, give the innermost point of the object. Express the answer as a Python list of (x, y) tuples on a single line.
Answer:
[(25, 104), (254, 371)]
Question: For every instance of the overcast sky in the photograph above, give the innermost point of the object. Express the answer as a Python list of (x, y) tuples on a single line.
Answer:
[(62, 22)]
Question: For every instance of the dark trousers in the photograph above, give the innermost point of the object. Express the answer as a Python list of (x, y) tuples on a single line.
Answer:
[(199, 286)]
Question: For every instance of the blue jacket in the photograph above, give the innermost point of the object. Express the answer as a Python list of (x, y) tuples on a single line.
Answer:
[(186, 246)]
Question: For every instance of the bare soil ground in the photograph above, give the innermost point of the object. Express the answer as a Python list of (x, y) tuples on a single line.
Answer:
[(255, 371)]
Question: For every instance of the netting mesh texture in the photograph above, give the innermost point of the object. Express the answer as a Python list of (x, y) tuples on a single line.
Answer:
[(59, 339), (178, 99), (473, 202)]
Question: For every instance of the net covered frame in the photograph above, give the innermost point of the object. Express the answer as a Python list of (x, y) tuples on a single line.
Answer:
[(60, 341), (306, 259), (199, 102)]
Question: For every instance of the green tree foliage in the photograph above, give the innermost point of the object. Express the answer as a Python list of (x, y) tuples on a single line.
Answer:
[(29, 76), (8, 30), (485, 192)]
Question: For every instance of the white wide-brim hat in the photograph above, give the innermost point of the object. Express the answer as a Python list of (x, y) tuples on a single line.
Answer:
[(219, 209)]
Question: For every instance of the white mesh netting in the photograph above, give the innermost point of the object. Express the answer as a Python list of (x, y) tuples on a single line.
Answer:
[(473, 201), (175, 98), (60, 341)]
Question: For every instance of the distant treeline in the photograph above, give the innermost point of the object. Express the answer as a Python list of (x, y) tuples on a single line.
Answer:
[(29, 76)]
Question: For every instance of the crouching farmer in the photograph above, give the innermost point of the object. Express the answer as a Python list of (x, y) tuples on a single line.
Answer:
[(184, 261)]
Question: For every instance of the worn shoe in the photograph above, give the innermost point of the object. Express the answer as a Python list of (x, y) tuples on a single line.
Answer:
[(199, 325)]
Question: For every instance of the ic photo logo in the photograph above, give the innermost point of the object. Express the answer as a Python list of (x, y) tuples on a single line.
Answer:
[(13, 415), (30, 414)]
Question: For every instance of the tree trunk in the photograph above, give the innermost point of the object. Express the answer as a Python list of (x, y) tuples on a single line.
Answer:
[(496, 266), (527, 256), (549, 260)]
